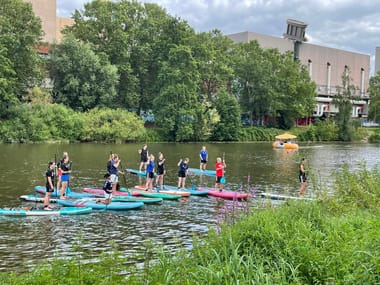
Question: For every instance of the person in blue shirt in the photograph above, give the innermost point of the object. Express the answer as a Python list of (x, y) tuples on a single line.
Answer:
[(203, 155), (182, 172), (150, 173)]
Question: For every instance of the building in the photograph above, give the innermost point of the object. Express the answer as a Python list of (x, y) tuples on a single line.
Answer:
[(377, 60), (325, 65), (52, 25)]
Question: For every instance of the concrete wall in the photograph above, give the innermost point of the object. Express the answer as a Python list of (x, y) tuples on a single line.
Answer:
[(377, 60), (46, 10), (326, 67)]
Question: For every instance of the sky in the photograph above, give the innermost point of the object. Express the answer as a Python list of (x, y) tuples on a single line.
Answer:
[(352, 25)]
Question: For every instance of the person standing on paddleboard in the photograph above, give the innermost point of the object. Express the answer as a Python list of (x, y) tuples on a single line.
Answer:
[(160, 170), (182, 172), (144, 154), (58, 167), (219, 169), (203, 155), (114, 171), (50, 173), (65, 168), (302, 177), (150, 173)]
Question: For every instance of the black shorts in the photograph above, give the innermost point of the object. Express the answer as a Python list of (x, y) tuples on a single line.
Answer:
[(218, 179), (48, 189), (182, 174), (203, 161), (150, 175), (302, 178)]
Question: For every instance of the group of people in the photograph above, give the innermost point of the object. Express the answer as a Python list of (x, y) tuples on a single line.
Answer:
[(154, 173), (62, 170), (147, 163)]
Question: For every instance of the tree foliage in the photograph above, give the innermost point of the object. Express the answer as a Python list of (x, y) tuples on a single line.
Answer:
[(177, 107), (374, 93), (270, 84), (20, 33), (108, 125), (82, 79), (137, 39), (227, 129), (344, 103)]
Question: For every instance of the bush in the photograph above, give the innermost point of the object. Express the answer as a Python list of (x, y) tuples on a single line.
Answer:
[(40, 123), (108, 125)]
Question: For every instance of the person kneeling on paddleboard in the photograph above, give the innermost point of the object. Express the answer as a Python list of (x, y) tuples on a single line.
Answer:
[(107, 187)]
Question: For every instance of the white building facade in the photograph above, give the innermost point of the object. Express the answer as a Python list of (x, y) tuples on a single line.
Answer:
[(326, 67)]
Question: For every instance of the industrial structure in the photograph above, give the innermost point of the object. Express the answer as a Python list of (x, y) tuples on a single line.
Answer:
[(325, 66), (52, 25)]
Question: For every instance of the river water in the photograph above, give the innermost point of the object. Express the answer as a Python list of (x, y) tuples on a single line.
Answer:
[(26, 241)]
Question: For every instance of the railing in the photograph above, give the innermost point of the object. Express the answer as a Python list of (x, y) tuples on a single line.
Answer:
[(332, 91)]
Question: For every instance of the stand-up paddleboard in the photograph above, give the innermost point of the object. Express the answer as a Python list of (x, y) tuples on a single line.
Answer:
[(92, 203), (69, 194), (195, 192), (137, 172), (145, 200), (37, 199), (100, 192), (274, 196), (197, 171), (124, 192), (35, 212), (231, 195), (170, 192)]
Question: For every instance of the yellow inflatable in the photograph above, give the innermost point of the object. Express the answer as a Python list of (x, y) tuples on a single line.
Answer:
[(284, 145)]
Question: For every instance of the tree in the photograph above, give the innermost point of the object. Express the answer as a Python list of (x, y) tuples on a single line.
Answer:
[(374, 93), (296, 90), (270, 84), (136, 38), (177, 108), (82, 80), (344, 103), (212, 51), (229, 111), (20, 33)]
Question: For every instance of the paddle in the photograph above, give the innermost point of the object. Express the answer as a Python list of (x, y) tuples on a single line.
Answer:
[(223, 179), (125, 180), (193, 186)]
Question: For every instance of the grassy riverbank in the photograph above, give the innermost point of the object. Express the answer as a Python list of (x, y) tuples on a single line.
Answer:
[(332, 240)]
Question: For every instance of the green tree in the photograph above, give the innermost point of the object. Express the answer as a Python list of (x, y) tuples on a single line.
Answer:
[(229, 111), (255, 73), (270, 84), (212, 50), (177, 108), (295, 89), (20, 33), (82, 79), (343, 100), (137, 39), (7, 82), (374, 93)]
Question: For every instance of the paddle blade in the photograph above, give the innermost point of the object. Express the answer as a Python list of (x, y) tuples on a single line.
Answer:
[(223, 180)]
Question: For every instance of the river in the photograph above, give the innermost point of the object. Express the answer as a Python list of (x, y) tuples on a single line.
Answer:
[(26, 241)]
